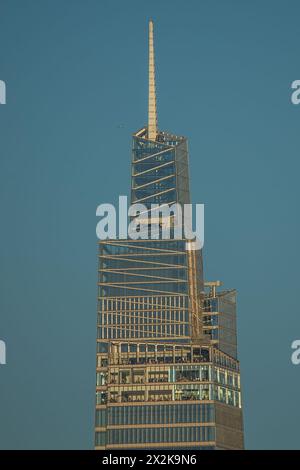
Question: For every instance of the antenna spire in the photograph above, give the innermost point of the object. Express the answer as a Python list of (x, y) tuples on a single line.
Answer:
[(152, 113)]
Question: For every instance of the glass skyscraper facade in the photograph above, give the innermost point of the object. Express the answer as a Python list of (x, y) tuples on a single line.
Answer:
[(167, 369)]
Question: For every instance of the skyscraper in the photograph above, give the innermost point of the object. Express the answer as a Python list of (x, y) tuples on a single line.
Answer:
[(167, 370)]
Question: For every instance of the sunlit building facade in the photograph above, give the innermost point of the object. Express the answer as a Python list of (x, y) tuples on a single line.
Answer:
[(167, 370)]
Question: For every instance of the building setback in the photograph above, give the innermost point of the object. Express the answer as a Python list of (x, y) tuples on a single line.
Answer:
[(167, 370)]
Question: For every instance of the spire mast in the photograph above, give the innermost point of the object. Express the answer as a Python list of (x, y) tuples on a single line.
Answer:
[(152, 112)]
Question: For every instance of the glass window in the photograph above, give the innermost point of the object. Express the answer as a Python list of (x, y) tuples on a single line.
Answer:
[(100, 438)]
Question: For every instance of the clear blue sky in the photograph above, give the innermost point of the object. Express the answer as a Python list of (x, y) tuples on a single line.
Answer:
[(76, 75)]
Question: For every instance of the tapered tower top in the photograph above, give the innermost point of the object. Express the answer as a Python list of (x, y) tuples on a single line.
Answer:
[(152, 112)]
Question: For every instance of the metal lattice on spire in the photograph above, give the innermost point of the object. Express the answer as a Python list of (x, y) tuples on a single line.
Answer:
[(152, 112)]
